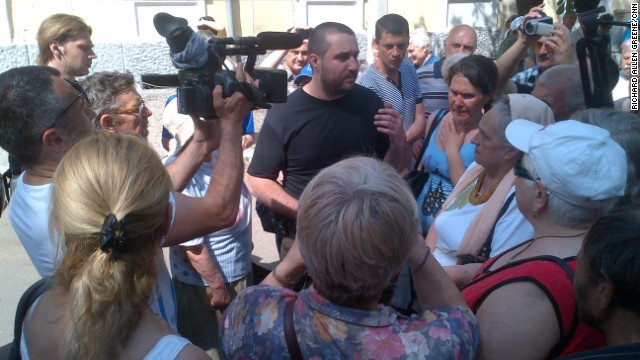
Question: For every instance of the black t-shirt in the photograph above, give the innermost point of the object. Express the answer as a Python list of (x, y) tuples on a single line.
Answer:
[(306, 134)]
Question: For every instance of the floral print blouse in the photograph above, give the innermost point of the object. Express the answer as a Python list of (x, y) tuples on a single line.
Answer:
[(252, 328)]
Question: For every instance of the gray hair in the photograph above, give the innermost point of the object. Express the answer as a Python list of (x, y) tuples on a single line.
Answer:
[(568, 77), (625, 130), (357, 221), (420, 39), (103, 89), (501, 104)]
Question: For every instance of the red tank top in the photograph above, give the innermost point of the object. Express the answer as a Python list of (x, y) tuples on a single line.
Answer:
[(554, 276)]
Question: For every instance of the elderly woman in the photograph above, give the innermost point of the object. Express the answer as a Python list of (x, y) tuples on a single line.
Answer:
[(357, 224), (571, 175), (472, 83), (480, 219), (99, 305)]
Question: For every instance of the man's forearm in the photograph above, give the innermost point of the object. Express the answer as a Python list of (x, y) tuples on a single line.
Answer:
[(434, 288), (226, 177), (187, 162), (273, 196), (218, 209), (273, 59), (417, 129), (398, 156), (201, 261), (508, 62)]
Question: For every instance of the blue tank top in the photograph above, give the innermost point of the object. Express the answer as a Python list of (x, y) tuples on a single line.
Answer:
[(439, 185)]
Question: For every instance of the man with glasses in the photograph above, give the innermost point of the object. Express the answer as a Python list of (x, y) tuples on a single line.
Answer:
[(118, 106), (549, 51), (42, 116)]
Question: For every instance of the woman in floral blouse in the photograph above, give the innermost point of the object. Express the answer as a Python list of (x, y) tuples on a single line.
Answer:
[(357, 225)]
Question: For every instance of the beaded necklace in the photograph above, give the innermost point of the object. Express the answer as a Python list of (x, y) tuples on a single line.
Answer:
[(475, 198)]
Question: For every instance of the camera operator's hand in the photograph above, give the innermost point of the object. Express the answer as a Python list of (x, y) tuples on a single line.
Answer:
[(560, 45), (231, 110), (535, 12), (243, 76)]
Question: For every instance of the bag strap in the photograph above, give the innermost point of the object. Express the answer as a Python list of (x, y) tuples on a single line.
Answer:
[(425, 144), (27, 299), (485, 250), (290, 332)]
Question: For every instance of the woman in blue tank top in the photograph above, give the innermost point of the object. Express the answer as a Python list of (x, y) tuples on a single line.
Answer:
[(472, 82)]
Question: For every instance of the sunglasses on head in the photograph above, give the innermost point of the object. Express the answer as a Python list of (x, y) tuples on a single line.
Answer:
[(81, 94), (520, 171)]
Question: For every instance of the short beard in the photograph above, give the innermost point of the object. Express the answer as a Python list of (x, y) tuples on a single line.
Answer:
[(334, 89)]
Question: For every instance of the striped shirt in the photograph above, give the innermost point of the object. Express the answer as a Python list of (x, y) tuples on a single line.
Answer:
[(230, 248), (435, 92), (403, 96), (527, 77)]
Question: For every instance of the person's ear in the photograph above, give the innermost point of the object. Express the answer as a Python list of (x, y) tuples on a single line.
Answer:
[(107, 123), (51, 138), (375, 43), (314, 60), (54, 46), (542, 199), (603, 294), (511, 153)]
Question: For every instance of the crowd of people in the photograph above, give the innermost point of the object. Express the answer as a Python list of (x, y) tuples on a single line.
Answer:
[(524, 241)]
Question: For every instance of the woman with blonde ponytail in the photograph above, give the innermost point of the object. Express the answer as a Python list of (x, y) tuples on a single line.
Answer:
[(110, 205)]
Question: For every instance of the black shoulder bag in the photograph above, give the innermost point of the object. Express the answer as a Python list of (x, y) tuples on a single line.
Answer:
[(418, 177), (485, 250)]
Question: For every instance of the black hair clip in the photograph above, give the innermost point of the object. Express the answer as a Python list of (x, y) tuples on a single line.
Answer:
[(109, 241)]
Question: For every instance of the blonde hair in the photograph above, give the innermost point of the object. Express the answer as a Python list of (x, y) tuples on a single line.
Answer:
[(61, 28), (357, 221), (101, 175)]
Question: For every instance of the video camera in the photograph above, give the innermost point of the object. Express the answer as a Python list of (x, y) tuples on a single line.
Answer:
[(201, 65), (532, 26)]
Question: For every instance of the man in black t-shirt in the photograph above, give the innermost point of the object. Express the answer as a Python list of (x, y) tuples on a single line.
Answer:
[(321, 123)]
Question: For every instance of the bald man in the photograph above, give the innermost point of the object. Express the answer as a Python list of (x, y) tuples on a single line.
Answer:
[(461, 39)]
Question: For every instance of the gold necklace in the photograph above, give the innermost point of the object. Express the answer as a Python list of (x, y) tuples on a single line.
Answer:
[(541, 237), (475, 198)]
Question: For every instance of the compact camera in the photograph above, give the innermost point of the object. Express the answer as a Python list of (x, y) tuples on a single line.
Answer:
[(532, 26)]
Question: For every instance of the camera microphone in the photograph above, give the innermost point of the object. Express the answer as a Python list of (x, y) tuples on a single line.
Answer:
[(269, 40), (279, 40)]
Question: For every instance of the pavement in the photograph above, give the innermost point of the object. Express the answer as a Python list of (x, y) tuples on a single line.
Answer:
[(17, 272)]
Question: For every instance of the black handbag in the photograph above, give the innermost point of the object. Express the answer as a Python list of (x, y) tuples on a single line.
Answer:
[(417, 177), (266, 217)]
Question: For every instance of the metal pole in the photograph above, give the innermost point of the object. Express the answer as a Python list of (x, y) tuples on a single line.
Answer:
[(230, 19)]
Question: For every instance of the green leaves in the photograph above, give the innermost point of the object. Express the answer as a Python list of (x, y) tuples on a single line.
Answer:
[(563, 6)]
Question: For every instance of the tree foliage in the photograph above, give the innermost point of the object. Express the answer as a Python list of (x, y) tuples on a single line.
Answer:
[(564, 6)]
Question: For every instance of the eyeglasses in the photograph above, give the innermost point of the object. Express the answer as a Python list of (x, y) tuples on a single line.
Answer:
[(520, 171), (81, 94), (539, 44), (138, 110)]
